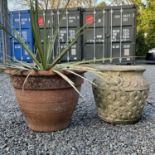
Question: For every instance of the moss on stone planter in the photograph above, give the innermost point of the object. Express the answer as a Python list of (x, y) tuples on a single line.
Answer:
[(121, 93)]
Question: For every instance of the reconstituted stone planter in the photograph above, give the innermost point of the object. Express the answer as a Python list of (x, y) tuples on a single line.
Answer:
[(121, 93)]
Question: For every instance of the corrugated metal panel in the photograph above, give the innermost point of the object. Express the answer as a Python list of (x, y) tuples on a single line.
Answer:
[(67, 25), (122, 27), (95, 17), (99, 36), (21, 22), (20, 19), (113, 30), (72, 55), (71, 18), (94, 34), (18, 53), (89, 52)]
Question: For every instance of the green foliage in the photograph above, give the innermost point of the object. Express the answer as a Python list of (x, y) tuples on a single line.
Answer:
[(141, 46), (101, 5), (145, 26)]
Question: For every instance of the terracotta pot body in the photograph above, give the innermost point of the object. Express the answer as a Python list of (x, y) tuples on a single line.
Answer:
[(120, 94), (47, 102)]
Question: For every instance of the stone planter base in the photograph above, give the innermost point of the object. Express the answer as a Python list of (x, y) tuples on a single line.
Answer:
[(118, 121), (120, 94)]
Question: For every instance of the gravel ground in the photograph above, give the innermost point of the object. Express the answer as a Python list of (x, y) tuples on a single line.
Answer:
[(87, 134)]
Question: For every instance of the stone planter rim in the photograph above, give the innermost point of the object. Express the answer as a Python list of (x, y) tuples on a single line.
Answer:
[(117, 68)]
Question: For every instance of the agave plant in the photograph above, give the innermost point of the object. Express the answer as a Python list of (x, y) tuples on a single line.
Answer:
[(42, 55)]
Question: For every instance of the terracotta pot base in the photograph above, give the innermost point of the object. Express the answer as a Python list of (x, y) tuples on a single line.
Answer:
[(49, 128)]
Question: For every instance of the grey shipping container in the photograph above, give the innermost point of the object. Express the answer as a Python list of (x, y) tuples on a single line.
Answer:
[(49, 33), (126, 48), (94, 51), (97, 36), (94, 18), (74, 53), (67, 23), (67, 34), (47, 16), (61, 18), (124, 34), (117, 32), (121, 29), (70, 18), (127, 17), (64, 35)]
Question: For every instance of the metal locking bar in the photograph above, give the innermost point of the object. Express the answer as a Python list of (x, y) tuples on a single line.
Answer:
[(121, 30), (1, 41), (67, 26), (58, 15), (94, 32), (52, 22), (111, 42), (13, 40), (103, 36), (20, 29)]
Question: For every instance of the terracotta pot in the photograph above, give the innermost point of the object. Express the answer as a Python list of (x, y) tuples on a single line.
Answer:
[(121, 93), (47, 101)]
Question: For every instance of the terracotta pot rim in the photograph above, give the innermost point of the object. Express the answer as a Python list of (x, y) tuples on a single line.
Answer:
[(117, 68), (13, 72)]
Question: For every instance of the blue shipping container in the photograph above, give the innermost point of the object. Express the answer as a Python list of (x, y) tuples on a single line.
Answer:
[(26, 34), (1, 41), (18, 53), (20, 19), (21, 22)]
